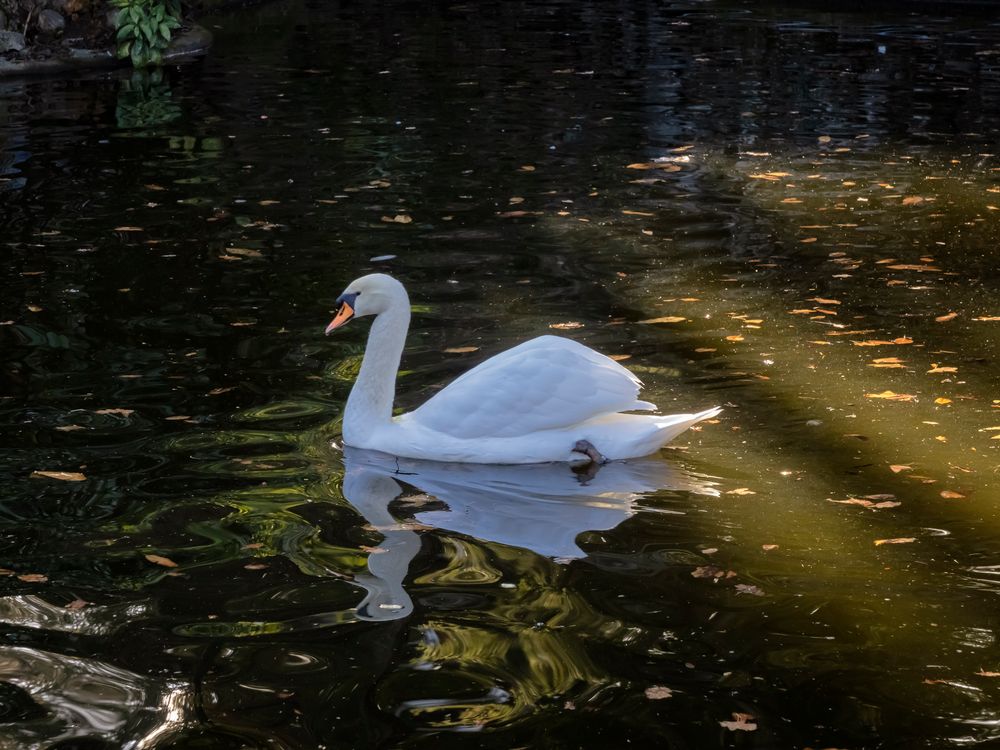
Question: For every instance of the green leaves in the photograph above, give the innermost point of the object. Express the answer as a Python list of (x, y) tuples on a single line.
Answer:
[(144, 29)]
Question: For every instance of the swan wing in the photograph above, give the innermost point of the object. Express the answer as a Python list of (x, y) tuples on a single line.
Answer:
[(545, 383)]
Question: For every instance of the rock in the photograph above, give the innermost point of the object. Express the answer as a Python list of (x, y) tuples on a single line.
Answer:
[(51, 22), (11, 40)]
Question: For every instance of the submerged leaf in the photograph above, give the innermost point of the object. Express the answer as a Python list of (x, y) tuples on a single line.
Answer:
[(160, 560)]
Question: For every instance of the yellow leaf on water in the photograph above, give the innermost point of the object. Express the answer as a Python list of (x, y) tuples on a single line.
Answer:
[(64, 476), (629, 212), (896, 468), (397, 219), (912, 267), (166, 562), (734, 338), (946, 318), (951, 495), (892, 396), (942, 400), (666, 319), (566, 326), (33, 577), (619, 357), (935, 368), (988, 317), (741, 491), (461, 349), (823, 301), (912, 200), (897, 540)]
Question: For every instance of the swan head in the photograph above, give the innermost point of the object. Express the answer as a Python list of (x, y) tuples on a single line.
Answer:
[(368, 295)]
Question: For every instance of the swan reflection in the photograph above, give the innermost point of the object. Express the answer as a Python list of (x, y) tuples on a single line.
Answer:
[(538, 507)]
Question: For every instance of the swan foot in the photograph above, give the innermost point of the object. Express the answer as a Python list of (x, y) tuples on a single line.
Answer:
[(587, 448)]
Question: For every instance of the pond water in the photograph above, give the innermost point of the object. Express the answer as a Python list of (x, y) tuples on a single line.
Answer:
[(809, 199)]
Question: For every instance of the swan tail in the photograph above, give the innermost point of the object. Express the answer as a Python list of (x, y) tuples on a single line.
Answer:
[(666, 429)]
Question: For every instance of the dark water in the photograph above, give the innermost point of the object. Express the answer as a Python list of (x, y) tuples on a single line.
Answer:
[(804, 183)]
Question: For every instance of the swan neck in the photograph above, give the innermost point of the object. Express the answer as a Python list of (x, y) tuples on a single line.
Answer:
[(370, 403)]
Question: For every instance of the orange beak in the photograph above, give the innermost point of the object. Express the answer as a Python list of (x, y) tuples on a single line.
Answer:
[(344, 314)]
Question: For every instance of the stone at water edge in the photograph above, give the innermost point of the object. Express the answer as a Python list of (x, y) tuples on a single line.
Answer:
[(11, 40), (51, 22)]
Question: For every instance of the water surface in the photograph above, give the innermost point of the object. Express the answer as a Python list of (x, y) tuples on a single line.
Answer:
[(809, 198)]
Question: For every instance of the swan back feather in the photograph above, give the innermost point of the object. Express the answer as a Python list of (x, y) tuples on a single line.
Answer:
[(546, 383)]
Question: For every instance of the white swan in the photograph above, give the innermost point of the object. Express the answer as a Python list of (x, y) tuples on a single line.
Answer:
[(548, 399)]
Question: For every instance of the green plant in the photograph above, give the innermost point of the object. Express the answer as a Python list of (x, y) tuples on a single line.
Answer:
[(144, 28)]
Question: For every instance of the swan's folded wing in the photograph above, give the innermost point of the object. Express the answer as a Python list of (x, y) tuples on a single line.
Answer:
[(546, 383)]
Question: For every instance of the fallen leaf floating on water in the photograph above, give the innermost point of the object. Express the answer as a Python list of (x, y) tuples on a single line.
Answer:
[(946, 318), (898, 540), (654, 165), (566, 326), (461, 349), (166, 562), (397, 219), (747, 588), (740, 723), (913, 267), (734, 338), (129, 229), (33, 577), (936, 368), (896, 468), (983, 673), (902, 341), (116, 412), (658, 692), (741, 491), (712, 571), (666, 319), (951, 495), (65, 476), (69, 428), (770, 176), (76, 604), (864, 503), (912, 200), (629, 212), (942, 400), (823, 301), (892, 396), (988, 317)]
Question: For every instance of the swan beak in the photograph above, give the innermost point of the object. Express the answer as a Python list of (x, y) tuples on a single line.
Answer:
[(344, 314)]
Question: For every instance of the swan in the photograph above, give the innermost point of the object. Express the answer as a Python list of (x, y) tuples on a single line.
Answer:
[(550, 399)]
